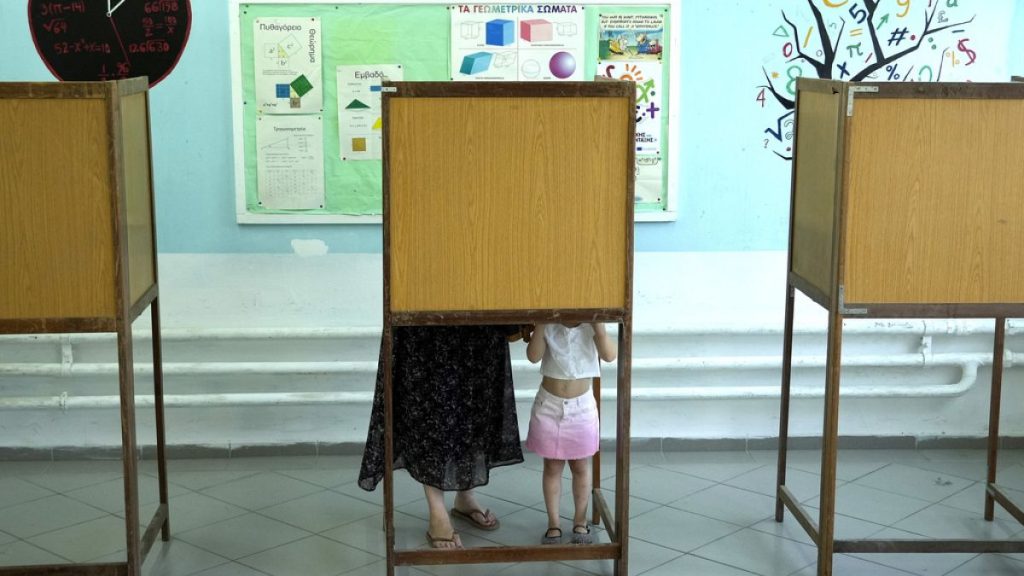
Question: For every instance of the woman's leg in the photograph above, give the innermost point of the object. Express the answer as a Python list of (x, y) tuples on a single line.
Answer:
[(440, 529), (552, 484), (581, 487)]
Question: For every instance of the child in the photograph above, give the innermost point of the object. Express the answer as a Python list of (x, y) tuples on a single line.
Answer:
[(564, 423)]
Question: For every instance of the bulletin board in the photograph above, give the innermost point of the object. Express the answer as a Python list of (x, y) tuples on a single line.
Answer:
[(414, 42)]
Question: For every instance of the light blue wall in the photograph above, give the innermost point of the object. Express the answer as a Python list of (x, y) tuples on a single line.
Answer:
[(733, 196)]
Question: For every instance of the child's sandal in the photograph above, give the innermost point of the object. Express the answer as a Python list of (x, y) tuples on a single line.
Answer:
[(581, 534), (546, 539)]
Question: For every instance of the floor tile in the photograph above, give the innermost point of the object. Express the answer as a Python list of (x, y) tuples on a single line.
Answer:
[(940, 521), (846, 527), (763, 480), (242, 536), (22, 553), (664, 486), (311, 556), (261, 490), (109, 495), (715, 466), (516, 484), (45, 515), (677, 529), (728, 504), (989, 564), (15, 491), (680, 502), (406, 490), (202, 479), (761, 553), (914, 482), (644, 556), (542, 569), (843, 565), (873, 505), (86, 541), (321, 511), (194, 510), (328, 478), (63, 477), (231, 569), (178, 558), (690, 564)]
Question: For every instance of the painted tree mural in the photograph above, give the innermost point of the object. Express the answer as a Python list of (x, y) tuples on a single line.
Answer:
[(863, 40)]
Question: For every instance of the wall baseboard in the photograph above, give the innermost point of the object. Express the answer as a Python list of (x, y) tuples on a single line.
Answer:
[(645, 445)]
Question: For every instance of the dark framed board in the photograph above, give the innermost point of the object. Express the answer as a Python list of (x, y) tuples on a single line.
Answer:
[(84, 40)]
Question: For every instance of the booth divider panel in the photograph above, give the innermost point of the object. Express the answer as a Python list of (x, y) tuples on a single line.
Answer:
[(137, 183), (815, 186), (493, 202), (935, 213)]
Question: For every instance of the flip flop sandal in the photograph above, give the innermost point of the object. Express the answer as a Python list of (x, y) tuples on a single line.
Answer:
[(471, 518), (581, 537), (545, 539), (435, 541)]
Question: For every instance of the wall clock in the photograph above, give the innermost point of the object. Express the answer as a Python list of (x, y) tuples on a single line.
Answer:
[(110, 39)]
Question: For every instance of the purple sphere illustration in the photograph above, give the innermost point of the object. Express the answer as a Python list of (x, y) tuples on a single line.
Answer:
[(562, 65)]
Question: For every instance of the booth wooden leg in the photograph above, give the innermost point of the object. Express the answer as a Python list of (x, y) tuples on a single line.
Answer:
[(829, 441), (787, 372), (595, 462), (993, 414), (623, 399), (158, 404), (129, 455), (389, 453)]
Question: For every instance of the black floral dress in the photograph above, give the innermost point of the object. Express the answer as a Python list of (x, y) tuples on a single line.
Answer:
[(454, 407)]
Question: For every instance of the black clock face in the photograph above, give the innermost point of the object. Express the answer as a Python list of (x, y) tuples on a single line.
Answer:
[(110, 39)]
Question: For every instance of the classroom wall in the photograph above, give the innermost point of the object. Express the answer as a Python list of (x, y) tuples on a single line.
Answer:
[(731, 195)]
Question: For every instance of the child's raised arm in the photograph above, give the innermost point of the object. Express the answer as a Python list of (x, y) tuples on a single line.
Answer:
[(535, 349), (606, 349)]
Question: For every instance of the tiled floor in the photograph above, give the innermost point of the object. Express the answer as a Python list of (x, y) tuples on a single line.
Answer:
[(699, 513)]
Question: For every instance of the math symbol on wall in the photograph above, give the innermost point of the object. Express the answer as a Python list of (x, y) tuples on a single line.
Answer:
[(859, 40)]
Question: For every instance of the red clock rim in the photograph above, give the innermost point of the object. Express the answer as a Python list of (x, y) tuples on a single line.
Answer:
[(152, 83)]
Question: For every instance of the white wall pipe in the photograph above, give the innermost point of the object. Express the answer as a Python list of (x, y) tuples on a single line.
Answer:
[(762, 362), (920, 327), (968, 364)]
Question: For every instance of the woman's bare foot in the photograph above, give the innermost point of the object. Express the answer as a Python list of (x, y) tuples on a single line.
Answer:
[(465, 502)]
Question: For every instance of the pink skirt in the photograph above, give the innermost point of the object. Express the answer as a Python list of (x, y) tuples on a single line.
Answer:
[(564, 428)]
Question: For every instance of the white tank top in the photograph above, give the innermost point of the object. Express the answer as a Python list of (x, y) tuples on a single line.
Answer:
[(570, 352)]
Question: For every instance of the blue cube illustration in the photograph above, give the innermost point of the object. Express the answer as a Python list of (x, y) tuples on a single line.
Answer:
[(475, 63), (501, 32)]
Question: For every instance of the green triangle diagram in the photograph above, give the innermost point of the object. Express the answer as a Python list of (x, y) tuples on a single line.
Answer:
[(356, 105), (781, 32)]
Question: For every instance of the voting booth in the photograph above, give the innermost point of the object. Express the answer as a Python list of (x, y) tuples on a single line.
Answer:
[(907, 201), (511, 203), (78, 247)]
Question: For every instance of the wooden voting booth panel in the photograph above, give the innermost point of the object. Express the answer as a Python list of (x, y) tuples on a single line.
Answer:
[(816, 180), (907, 201), (508, 202), (511, 203), (78, 250), (927, 182), (75, 157)]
